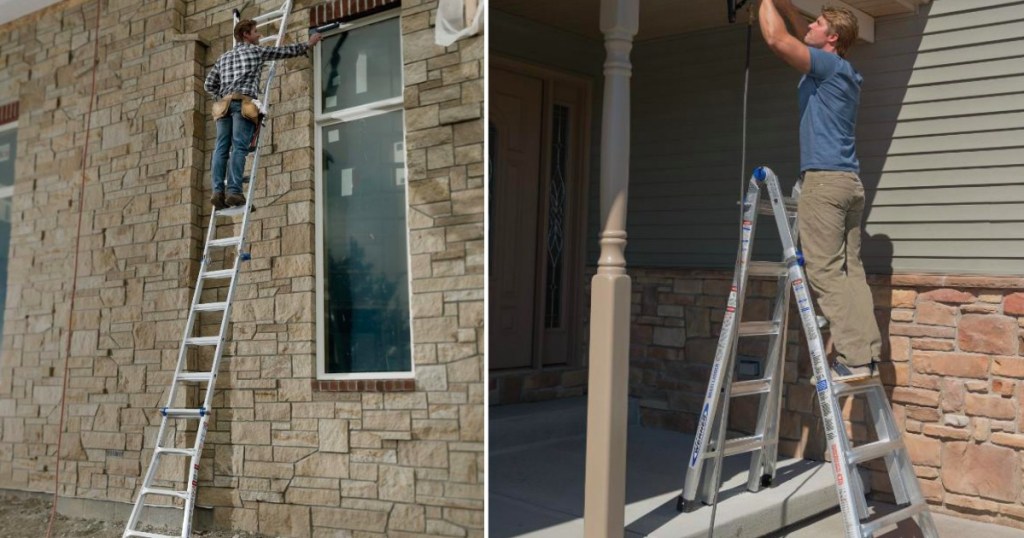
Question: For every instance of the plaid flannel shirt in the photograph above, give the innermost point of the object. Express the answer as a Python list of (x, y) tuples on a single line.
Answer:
[(238, 70)]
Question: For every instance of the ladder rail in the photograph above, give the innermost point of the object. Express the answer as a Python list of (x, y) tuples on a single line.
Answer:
[(180, 373)]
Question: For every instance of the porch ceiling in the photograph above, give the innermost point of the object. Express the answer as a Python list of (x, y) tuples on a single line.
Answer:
[(660, 18)]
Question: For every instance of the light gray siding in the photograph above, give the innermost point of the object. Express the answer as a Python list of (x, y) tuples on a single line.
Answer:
[(940, 137)]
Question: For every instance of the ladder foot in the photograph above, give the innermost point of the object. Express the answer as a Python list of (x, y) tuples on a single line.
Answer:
[(766, 481), (683, 505)]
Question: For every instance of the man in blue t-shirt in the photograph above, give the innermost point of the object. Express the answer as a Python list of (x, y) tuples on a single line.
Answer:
[(831, 202)]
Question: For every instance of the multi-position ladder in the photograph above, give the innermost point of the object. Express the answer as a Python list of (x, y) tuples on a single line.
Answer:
[(216, 252), (711, 443)]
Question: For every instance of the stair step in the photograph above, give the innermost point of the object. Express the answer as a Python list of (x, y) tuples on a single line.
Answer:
[(211, 307), (758, 328)]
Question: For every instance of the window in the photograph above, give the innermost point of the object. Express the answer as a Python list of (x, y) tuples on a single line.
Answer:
[(363, 316), (8, 151)]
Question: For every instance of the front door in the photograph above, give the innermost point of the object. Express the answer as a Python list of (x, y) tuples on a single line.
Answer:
[(538, 133), (515, 115)]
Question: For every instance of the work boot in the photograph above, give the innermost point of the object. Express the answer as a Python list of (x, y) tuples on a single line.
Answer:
[(218, 200), (235, 199)]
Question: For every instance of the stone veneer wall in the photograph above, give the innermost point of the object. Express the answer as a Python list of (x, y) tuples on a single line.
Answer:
[(954, 369), (286, 454)]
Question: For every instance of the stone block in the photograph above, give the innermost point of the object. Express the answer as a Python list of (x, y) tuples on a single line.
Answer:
[(333, 435), (994, 471), (284, 520), (952, 364), (397, 484), (988, 334), (950, 296), (933, 313)]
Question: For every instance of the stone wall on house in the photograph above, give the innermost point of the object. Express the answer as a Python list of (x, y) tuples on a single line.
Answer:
[(286, 454), (953, 367)]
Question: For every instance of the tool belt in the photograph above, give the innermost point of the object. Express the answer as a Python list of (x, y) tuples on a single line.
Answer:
[(250, 110)]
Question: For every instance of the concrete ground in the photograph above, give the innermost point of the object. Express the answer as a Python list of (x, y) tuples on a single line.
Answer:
[(536, 474)]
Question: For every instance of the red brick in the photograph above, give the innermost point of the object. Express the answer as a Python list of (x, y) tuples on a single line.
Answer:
[(1014, 304), (947, 295), (932, 313), (924, 450), (988, 334), (912, 396), (994, 471), (951, 364), (1008, 366), (991, 406)]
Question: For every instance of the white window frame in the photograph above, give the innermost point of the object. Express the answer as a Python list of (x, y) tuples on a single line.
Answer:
[(8, 192), (320, 119)]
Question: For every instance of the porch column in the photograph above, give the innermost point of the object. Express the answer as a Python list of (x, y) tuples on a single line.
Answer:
[(604, 506)]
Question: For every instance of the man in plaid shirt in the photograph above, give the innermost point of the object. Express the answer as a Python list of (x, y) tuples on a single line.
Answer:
[(236, 77)]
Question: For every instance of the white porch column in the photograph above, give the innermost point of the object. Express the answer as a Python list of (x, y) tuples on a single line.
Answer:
[(604, 507)]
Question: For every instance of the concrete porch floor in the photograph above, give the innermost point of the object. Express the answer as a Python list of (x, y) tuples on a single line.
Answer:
[(536, 474)]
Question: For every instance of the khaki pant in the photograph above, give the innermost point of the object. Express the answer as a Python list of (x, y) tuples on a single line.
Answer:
[(831, 206)]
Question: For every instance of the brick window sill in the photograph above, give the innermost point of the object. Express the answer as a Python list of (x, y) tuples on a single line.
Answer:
[(364, 385)]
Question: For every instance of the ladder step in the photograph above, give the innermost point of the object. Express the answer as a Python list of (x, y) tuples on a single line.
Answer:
[(740, 445), (165, 492), (268, 17), (202, 341), (171, 412), (869, 528), (750, 387), (195, 376), (211, 307), (856, 387), (128, 533), (231, 211), (776, 269), (766, 208), (758, 328), (222, 273), (873, 451), (176, 451), (226, 242)]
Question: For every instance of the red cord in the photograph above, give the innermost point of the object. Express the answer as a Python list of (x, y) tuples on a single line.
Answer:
[(74, 279)]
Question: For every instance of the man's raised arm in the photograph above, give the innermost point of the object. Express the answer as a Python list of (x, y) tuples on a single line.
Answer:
[(783, 44)]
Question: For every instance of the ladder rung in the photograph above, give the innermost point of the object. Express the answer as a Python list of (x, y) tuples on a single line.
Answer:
[(175, 451), (750, 387), (225, 242), (231, 211), (165, 492), (758, 328), (222, 273), (268, 38), (203, 341), (873, 451), (267, 17), (854, 388), (149, 534), (776, 269), (171, 412), (211, 307), (195, 376), (766, 208), (740, 445), (908, 512)]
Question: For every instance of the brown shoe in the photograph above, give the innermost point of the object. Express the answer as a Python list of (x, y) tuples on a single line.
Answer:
[(235, 199), (218, 200)]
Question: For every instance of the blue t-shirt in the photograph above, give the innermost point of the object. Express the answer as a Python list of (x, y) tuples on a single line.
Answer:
[(829, 97)]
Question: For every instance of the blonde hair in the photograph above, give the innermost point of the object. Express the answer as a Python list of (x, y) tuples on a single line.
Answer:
[(842, 23)]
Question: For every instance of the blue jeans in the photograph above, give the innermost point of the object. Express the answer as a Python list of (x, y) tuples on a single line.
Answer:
[(234, 132)]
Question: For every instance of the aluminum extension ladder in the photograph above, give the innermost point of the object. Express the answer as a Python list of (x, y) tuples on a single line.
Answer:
[(763, 444), (185, 499)]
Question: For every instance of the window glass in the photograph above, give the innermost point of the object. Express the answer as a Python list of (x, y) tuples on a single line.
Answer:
[(361, 66)]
